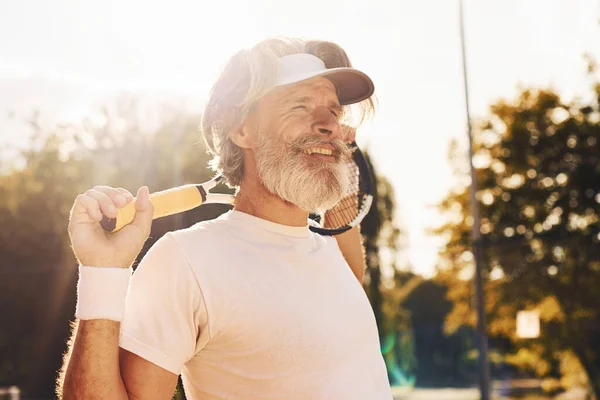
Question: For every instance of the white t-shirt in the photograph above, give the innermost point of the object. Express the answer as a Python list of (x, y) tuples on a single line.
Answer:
[(244, 308)]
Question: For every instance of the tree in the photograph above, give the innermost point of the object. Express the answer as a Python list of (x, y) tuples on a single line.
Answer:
[(381, 233), (38, 273), (441, 358), (539, 188)]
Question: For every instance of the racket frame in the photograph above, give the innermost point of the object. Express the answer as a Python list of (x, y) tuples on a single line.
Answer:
[(365, 186)]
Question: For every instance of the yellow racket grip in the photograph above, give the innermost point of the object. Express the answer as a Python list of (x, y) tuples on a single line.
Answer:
[(166, 202)]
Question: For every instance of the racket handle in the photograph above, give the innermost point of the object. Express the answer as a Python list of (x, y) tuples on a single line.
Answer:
[(166, 202)]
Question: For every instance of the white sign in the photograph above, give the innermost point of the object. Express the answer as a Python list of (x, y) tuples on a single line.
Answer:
[(528, 324)]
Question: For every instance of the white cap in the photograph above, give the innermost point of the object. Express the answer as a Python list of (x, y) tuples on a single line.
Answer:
[(352, 85)]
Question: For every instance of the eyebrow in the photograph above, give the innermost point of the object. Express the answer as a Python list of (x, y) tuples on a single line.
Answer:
[(332, 104)]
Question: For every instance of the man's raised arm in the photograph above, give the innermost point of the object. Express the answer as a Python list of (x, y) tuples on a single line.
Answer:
[(351, 246), (91, 367)]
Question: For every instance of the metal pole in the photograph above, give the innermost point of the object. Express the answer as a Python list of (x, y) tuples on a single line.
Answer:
[(482, 343)]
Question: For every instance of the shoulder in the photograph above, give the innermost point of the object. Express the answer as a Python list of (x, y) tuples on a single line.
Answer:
[(203, 227), (176, 248), (201, 239), (326, 241)]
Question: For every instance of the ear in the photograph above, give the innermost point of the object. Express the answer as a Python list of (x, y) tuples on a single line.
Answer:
[(241, 137), (245, 135)]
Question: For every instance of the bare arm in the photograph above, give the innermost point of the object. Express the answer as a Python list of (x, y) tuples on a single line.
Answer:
[(352, 249), (91, 368), (96, 368)]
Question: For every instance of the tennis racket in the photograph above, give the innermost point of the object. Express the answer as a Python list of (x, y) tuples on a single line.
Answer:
[(345, 215)]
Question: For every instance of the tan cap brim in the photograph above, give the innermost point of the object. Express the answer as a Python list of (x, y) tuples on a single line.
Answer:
[(352, 85)]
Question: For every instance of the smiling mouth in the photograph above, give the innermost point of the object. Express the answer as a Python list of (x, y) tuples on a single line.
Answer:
[(318, 150)]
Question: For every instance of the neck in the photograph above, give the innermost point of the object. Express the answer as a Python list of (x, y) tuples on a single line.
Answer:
[(254, 199)]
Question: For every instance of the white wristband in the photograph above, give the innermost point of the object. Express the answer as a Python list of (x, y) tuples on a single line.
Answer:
[(101, 292)]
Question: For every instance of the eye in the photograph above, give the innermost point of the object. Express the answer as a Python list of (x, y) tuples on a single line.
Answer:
[(336, 112), (299, 108)]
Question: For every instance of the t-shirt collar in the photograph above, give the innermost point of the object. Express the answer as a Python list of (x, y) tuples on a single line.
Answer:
[(295, 231)]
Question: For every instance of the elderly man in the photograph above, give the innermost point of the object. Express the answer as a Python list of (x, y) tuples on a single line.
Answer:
[(252, 305)]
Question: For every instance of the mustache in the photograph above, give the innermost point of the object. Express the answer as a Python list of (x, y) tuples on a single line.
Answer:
[(339, 148)]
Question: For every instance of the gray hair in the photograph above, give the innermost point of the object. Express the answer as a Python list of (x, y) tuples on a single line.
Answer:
[(247, 77)]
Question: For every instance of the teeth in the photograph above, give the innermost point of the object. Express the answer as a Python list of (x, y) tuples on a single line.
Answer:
[(318, 150)]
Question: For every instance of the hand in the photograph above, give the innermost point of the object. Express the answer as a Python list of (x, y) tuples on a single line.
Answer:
[(95, 247)]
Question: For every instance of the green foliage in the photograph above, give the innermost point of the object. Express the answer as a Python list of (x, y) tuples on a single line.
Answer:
[(381, 233), (538, 177), (37, 269)]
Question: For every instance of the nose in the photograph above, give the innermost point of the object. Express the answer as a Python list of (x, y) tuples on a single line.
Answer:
[(325, 123)]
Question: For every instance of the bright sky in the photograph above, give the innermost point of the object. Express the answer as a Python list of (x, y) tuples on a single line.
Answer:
[(63, 55)]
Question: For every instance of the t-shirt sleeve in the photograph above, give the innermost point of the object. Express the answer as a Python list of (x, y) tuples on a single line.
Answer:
[(165, 317)]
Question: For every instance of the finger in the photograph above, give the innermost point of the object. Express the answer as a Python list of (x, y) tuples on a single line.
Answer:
[(92, 207), (117, 198), (107, 206), (126, 193), (86, 205), (144, 210)]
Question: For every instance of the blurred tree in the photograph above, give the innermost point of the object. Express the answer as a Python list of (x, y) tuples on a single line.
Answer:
[(442, 358), (37, 269), (34, 283), (539, 189), (382, 235), (379, 231)]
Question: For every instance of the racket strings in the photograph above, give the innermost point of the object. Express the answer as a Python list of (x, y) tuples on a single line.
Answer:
[(346, 210)]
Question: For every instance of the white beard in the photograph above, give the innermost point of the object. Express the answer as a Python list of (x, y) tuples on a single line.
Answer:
[(313, 185)]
